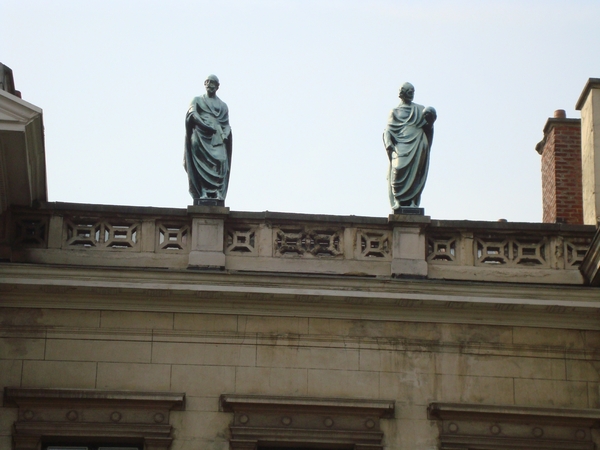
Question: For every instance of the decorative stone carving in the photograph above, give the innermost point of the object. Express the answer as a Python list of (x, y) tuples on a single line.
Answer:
[(308, 242), (172, 236), (512, 252), (241, 240), (375, 244), (298, 421), (575, 250), (513, 427), (108, 415), (100, 233), (442, 249), (31, 231)]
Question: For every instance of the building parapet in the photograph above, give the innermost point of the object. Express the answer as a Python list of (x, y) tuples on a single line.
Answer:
[(213, 238)]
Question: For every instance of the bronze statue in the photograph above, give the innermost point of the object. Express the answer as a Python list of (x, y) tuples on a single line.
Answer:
[(208, 146), (407, 139)]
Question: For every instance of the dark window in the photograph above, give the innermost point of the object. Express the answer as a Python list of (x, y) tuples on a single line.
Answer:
[(90, 447)]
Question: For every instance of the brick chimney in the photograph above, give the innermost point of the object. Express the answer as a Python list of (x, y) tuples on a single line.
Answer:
[(561, 170)]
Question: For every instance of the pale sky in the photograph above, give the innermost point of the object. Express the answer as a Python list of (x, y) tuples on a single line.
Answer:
[(309, 85)]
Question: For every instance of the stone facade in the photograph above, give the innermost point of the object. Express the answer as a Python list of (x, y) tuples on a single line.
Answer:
[(205, 328), (297, 312)]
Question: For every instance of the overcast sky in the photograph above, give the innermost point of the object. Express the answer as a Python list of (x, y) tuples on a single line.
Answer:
[(309, 85)]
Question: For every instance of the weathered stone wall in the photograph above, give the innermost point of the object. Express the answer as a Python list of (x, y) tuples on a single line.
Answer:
[(206, 355)]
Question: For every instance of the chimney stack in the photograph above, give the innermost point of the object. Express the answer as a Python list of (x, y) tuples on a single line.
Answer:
[(561, 170)]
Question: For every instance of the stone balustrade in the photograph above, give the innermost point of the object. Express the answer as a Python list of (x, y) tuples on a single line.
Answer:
[(213, 238)]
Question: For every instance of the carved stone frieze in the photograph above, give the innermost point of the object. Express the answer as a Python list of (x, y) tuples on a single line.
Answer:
[(511, 252), (31, 231), (442, 249), (575, 250), (374, 244), (304, 421), (241, 240), (172, 236), (307, 242), (101, 233)]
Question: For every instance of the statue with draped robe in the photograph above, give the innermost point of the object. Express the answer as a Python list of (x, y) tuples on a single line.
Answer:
[(208, 146), (407, 139)]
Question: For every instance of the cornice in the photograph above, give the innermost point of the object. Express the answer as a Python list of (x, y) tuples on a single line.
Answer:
[(15, 113), (206, 282), (52, 397), (309, 296), (592, 83), (237, 402)]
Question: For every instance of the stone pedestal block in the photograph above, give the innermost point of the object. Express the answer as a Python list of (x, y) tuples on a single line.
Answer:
[(408, 246), (208, 231)]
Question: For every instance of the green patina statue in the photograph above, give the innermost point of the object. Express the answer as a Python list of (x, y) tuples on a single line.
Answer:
[(407, 139), (208, 146)]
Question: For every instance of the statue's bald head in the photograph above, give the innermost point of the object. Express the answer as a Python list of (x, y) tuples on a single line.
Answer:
[(407, 92), (212, 77), (212, 85)]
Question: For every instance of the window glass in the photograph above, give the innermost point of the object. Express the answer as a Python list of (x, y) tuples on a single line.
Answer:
[(92, 447)]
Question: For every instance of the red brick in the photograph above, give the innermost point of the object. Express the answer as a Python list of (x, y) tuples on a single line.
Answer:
[(561, 174)]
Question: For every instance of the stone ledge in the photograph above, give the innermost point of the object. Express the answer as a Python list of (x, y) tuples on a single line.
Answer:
[(592, 83), (16, 396), (580, 417), (234, 402)]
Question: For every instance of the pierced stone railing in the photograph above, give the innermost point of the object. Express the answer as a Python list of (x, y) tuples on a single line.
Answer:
[(216, 238)]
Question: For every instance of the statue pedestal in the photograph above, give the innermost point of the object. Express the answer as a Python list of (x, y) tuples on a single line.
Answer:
[(408, 249), (405, 210), (208, 234), (208, 202)]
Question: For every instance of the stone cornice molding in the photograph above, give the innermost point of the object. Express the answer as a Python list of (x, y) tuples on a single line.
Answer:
[(513, 427), (592, 83), (305, 421), (575, 417), (335, 297), (16, 113), (39, 396), (62, 414), (378, 408)]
